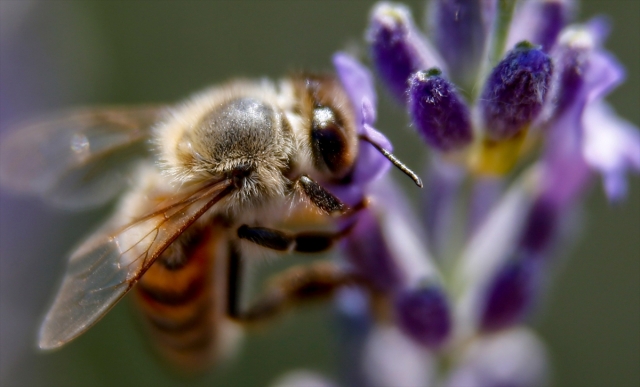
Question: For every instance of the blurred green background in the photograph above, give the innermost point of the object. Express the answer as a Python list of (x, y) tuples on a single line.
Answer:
[(55, 54)]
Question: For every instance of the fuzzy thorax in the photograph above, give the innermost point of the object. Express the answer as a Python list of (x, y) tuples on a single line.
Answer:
[(236, 131)]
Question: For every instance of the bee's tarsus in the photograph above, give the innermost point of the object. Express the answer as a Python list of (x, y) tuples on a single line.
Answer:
[(322, 198)]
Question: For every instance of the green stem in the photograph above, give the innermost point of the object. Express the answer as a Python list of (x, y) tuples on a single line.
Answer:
[(501, 32)]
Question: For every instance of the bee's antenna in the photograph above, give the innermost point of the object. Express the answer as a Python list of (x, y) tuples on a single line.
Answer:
[(394, 160)]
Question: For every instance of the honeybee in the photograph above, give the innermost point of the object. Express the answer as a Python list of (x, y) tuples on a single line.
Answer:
[(199, 183)]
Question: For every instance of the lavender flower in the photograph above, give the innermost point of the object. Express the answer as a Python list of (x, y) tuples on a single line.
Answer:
[(397, 263), (465, 298)]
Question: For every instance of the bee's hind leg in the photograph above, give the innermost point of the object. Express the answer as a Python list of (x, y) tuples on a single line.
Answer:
[(294, 286)]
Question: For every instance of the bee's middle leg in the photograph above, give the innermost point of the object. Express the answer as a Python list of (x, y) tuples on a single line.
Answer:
[(304, 242), (296, 285)]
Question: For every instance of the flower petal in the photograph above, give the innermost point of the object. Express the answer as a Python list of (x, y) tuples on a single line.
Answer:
[(572, 149), (303, 378), (370, 163), (391, 359), (511, 358), (611, 146), (358, 83)]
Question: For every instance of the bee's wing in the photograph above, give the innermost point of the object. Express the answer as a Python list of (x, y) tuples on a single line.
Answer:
[(108, 264), (77, 159)]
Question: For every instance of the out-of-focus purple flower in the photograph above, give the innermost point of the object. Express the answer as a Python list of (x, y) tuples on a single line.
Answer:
[(399, 264), (392, 359), (486, 192), (438, 112), (502, 265), (611, 146), (509, 295), (583, 134), (397, 47), (424, 314), (303, 378), (513, 358), (515, 91), (540, 22), (443, 184), (485, 268), (355, 327), (460, 33), (540, 228), (369, 254)]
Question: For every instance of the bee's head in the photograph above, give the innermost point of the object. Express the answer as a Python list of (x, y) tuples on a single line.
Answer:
[(331, 132)]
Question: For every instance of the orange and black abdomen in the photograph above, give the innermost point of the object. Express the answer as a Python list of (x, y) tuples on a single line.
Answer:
[(184, 305)]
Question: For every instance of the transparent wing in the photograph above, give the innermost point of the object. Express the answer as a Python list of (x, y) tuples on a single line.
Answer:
[(103, 269), (77, 159)]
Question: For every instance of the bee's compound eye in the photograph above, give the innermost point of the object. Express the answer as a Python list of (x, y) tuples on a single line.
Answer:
[(330, 149)]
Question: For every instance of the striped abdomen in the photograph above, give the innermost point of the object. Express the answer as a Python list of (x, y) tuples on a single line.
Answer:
[(183, 301)]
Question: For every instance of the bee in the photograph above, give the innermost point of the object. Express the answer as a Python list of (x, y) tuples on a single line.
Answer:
[(200, 183)]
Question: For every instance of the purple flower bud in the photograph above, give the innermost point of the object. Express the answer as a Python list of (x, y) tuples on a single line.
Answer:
[(460, 34), (438, 112), (571, 66), (572, 57), (397, 48), (515, 91), (508, 296), (540, 227), (423, 314)]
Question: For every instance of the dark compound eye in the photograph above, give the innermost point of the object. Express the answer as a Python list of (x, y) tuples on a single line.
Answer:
[(329, 141)]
